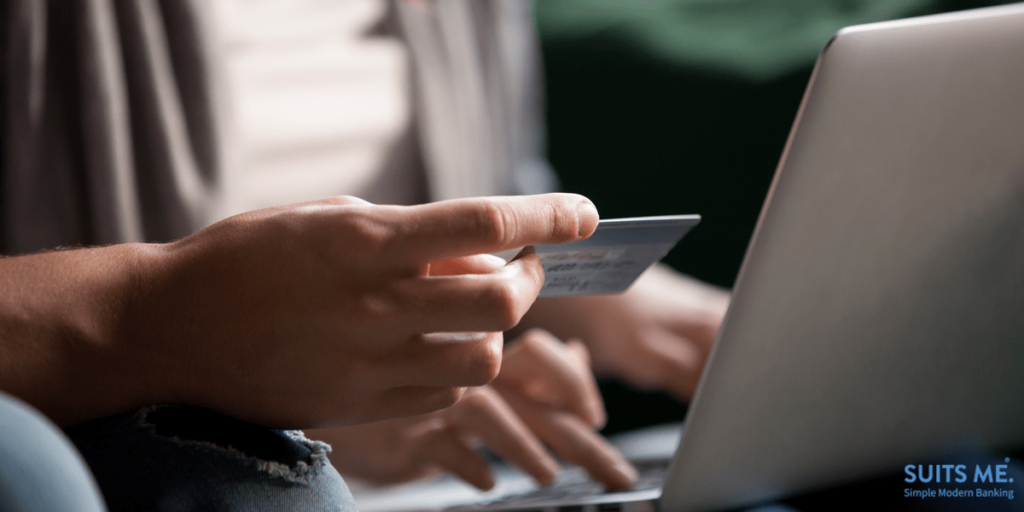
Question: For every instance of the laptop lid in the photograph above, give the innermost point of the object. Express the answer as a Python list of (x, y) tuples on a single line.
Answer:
[(879, 315)]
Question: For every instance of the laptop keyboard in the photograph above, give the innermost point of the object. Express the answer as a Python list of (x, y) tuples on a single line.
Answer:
[(574, 483)]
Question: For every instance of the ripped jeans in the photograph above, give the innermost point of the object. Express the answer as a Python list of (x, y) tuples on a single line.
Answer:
[(184, 458)]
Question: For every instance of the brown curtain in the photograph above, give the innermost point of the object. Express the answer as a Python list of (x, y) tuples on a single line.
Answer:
[(110, 128)]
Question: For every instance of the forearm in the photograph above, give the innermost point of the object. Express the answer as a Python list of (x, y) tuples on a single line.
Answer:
[(67, 332)]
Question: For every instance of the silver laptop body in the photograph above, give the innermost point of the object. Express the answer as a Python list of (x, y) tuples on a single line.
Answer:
[(879, 315), (878, 319)]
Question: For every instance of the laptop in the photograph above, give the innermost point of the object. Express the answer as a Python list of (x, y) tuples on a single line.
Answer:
[(878, 319)]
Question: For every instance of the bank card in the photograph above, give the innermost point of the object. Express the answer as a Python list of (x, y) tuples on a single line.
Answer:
[(613, 257)]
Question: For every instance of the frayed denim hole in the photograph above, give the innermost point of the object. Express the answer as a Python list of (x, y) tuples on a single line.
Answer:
[(189, 423)]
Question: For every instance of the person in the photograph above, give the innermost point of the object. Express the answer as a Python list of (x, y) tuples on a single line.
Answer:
[(304, 75), (110, 137), (383, 311), (421, 101)]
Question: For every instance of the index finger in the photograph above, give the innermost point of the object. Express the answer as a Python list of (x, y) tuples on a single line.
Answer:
[(460, 227), (542, 368), (574, 441)]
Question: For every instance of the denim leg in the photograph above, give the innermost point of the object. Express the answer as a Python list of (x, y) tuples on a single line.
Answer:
[(185, 458), (40, 471)]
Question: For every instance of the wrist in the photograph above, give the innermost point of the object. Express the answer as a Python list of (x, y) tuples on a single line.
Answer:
[(143, 333), (66, 320), (113, 328)]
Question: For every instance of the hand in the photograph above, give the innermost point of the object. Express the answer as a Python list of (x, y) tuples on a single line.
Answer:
[(657, 335), (545, 393), (329, 312)]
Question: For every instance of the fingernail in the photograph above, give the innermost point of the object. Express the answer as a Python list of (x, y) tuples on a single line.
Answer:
[(552, 474), (488, 484), (627, 470), (622, 478), (600, 418), (485, 483), (495, 260), (586, 218)]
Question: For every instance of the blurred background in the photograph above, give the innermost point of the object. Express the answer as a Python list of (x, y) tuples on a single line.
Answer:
[(666, 107)]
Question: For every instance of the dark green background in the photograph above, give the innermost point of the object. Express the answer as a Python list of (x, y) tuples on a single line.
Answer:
[(642, 131)]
